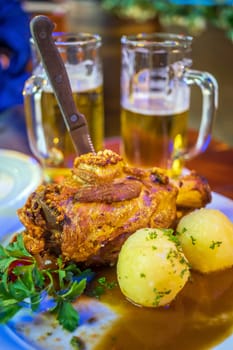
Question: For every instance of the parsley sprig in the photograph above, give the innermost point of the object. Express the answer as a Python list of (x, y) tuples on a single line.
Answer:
[(24, 284), (102, 286)]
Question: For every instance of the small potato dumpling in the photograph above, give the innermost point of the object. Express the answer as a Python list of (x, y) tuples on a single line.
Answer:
[(206, 237), (151, 269)]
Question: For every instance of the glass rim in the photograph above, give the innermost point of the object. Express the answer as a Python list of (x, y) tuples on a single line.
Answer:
[(80, 38), (160, 39)]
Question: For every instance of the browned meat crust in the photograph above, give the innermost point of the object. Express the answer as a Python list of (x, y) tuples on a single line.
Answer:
[(88, 217)]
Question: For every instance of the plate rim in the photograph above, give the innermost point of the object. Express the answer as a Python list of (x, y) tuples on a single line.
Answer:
[(36, 177)]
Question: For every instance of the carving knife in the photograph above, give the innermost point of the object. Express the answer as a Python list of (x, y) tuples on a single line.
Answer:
[(41, 29)]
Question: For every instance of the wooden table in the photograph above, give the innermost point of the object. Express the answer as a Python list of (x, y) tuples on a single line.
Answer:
[(216, 164)]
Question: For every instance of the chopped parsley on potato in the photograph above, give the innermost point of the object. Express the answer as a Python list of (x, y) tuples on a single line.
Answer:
[(206, 237), (151, 268)]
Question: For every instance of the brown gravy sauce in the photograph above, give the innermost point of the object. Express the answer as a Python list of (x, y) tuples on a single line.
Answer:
[(199, 318)]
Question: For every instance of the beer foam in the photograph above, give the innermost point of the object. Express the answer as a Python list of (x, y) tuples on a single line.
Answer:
[(158, 103), (83, 76)]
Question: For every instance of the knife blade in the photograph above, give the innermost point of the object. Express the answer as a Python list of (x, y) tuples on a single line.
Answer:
[(41, 28)]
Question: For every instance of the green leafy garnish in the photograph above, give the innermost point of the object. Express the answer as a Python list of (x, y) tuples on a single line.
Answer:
[(24, 284), (159, 295), (102, 286), (77, 343), (193, 240), (170, 233), (215, 244)]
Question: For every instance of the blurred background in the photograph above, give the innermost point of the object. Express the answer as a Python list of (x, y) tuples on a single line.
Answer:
[(211, 26)]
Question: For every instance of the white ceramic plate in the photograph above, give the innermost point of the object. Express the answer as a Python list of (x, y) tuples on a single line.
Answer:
[(41, 327), (19, 176)]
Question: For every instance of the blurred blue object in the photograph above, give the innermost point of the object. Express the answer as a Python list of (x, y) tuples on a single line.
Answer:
[(14, 52), (203, 2)]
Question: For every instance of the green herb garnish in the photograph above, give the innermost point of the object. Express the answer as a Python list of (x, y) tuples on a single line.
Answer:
[(77, 343), (169, 232), (152, 235), (215, 244), (24, 284), (193, 240), (159, 295), (102, 286)]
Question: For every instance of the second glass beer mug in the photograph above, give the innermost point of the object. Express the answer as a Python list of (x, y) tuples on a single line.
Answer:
[(48, 137), (155, 101)]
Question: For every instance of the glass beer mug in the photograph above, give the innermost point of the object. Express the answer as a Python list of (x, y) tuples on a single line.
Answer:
[(155, 101), (49, 139)]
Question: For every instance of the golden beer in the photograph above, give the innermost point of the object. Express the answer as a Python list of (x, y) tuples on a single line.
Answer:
[(48, 136), (150, 140), (156, 81)]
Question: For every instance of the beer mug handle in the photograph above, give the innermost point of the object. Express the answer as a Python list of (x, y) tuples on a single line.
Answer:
[(209, 88)]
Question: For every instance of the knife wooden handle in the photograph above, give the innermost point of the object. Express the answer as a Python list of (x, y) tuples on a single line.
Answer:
[(41, 29)]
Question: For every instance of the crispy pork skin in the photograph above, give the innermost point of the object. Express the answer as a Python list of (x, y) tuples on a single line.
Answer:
[(89, 215)]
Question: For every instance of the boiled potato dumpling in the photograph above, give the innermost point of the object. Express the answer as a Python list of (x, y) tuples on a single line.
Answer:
[(206, 237), (151, 269)]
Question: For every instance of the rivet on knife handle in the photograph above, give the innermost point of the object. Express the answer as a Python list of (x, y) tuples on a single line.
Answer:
[(41, 30)]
